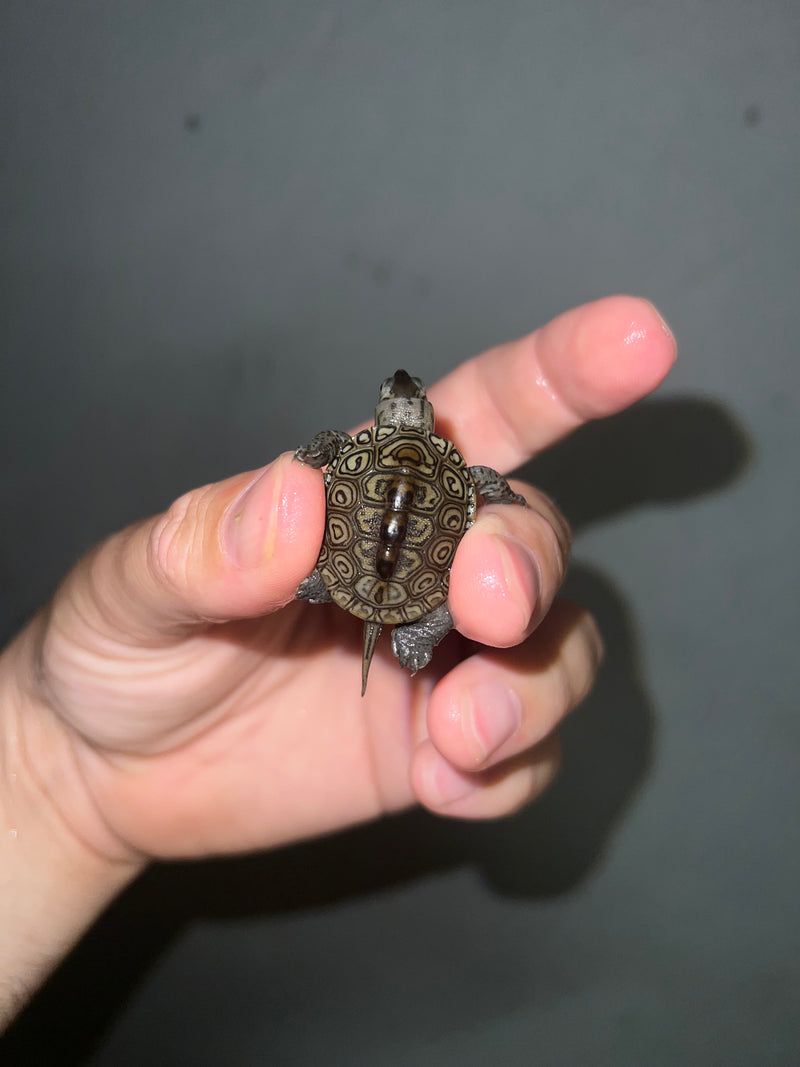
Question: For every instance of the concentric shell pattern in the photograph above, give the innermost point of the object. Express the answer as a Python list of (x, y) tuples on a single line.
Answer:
[(356, 485)]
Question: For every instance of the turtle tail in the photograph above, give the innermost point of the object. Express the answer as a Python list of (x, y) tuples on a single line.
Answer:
[(372, 631)]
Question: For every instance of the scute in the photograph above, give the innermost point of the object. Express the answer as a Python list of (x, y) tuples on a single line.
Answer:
[(356, 485)]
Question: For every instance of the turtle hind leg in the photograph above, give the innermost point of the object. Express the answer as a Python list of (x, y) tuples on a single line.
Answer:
[(372, 631), (494, 488), (323, 448), (313, 589), (413, 642)]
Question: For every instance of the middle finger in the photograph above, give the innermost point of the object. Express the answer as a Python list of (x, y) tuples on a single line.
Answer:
[(508, 568)]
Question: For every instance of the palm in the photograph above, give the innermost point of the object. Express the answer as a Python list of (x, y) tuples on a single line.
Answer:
[(210, 737)]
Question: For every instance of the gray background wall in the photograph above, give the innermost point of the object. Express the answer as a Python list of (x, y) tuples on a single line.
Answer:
[(222, 223)]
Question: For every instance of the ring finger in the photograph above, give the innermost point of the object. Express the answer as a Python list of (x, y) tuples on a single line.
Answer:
[(491, 745)]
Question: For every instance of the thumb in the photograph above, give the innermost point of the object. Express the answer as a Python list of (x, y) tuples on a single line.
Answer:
[(234, 549)]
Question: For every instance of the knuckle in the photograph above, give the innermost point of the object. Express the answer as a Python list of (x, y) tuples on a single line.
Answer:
[(538, 775), (564, 688), (177, 538), (554, 528), (594, 640), (584, 663), (547, 769)]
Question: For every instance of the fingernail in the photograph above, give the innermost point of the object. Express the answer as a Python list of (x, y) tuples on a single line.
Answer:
[(249, 528), (491, 715), (522, 571), (446, 784), (664, 324)]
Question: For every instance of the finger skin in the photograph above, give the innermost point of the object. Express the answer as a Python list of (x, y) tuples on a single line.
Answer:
[(508, 568), (491, 744), (445, 790), (260, 538), (234, 549), (495, 705), (512, 401)]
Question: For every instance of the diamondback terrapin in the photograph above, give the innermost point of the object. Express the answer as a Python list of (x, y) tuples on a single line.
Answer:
[(399, 498)]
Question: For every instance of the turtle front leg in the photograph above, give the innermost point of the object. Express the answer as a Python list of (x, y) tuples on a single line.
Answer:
[(494, 488), (323, 448), (313, 589), (413, 642)]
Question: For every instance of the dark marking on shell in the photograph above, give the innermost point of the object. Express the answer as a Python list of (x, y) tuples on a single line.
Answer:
[(398, 502)]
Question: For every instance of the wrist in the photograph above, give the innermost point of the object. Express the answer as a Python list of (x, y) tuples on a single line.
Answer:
[(53, 883)]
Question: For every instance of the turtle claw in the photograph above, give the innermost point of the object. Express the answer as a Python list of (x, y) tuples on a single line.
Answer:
[(494, 488), (313, 589), (312, 457), (413, 642), (411, 650), (322, 449)]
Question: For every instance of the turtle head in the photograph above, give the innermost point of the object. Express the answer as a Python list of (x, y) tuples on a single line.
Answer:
[(402, 403)]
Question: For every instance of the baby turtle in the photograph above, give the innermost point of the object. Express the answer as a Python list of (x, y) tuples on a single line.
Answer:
[(399, 498)]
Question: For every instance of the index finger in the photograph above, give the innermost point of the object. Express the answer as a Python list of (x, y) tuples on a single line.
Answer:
[(512, 401)]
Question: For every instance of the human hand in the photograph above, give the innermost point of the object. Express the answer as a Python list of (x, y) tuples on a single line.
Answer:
[(200, 710), (173, 699)]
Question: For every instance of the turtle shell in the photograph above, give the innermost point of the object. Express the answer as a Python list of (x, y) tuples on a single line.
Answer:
[(357, 484)]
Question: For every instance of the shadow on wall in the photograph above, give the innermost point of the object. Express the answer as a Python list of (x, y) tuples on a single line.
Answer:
[(664, 451), (658, 452)]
